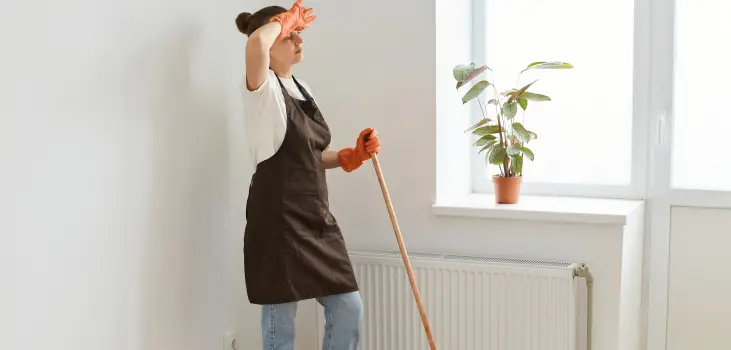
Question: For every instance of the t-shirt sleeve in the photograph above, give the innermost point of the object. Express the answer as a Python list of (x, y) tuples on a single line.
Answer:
[(265, 118)]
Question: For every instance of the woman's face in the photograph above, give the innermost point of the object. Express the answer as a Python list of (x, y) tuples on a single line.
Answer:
[(287, 50)]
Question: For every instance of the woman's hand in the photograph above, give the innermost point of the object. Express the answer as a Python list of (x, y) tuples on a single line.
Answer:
[(366, 144), (296, 19)]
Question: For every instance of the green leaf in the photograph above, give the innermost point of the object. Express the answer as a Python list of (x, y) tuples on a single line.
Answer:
[(486, 130), (524, 88), (548, 65), (478, 124), (516, 162), (535, 97), (553, 65), (535, 64), (513, 150), (523, 103), (509, 110), (484, 140), (463, 73), (475, 91), (523, 135), (496, 155), (528, 153), (487, 146), (474, 74)]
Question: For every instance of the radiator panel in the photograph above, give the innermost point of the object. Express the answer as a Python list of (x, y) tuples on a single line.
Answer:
[(472, 303)]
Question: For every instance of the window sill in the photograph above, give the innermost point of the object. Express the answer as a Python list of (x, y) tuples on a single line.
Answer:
[(540, 208)]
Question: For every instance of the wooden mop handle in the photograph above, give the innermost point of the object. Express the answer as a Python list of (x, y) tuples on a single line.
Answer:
[(404, 255)]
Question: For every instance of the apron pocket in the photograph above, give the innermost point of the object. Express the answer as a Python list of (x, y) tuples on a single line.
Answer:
[(301, 180), (304, 212)]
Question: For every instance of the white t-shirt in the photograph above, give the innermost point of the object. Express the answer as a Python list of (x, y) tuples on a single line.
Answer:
[(265, 115)]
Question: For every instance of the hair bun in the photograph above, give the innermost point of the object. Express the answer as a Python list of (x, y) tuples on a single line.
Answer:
[(242, 21)]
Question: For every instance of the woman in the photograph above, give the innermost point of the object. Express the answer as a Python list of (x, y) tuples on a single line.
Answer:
[(293, 247)]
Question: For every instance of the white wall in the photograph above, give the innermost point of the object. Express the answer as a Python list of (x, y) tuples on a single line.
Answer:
[(699, 279), (114, 173)]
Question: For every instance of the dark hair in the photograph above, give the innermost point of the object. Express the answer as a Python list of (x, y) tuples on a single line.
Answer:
[(248, 23)]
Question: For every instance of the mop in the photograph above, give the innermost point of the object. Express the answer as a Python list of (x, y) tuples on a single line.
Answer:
[(404, 254)]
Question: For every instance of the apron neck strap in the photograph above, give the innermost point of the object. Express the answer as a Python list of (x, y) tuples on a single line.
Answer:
[(302, 90)]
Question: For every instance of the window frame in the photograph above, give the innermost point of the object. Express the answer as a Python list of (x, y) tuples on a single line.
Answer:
[(641, 116)]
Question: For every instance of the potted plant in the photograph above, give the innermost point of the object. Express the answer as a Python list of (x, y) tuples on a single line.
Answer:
[(503, 140)]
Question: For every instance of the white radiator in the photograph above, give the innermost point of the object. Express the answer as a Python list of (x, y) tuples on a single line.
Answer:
[(472, 302)]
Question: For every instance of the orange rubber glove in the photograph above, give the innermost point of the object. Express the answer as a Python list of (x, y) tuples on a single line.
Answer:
[(296, 19), (352, 158)]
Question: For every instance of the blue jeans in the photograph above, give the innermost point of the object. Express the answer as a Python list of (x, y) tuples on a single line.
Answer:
[(343, 317)]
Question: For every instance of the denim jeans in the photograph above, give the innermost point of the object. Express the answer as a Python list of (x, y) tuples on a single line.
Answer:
[(343, 317)]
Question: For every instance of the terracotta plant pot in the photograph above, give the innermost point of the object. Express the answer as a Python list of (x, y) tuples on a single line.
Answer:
[(507, 189)]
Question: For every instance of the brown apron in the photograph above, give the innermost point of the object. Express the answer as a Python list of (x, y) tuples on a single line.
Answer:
[(293, 247)]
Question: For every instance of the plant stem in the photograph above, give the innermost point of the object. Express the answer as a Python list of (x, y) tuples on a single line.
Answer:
[(484, 115), (503, 141)]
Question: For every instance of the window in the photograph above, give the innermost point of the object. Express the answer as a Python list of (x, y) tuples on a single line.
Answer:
[(603, 134), (585, 134), (702, 121)]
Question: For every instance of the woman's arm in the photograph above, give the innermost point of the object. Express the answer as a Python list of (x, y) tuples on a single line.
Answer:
[(257, 53), (330, 158)]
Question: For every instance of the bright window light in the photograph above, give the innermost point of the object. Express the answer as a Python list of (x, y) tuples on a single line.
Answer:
[(702, 76), (585, 132)]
